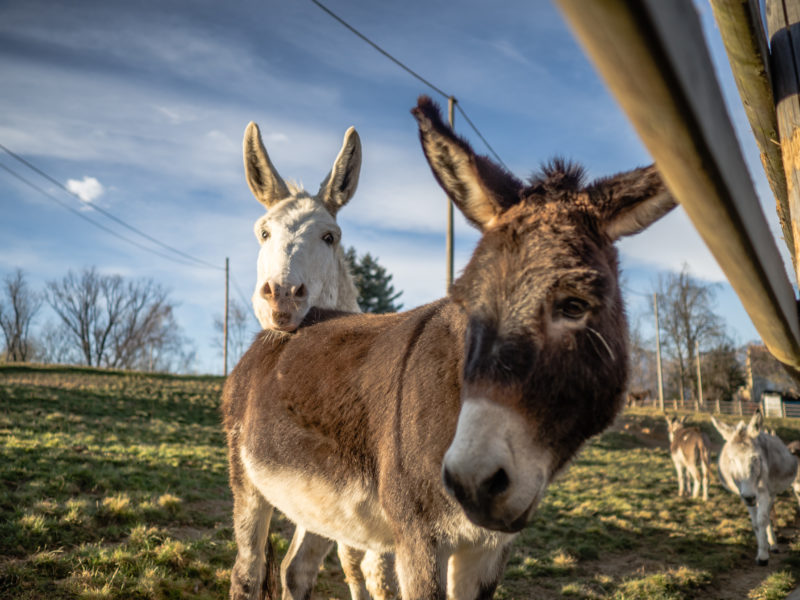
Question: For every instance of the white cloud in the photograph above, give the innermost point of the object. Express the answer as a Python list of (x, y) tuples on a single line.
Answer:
[(87, 189)]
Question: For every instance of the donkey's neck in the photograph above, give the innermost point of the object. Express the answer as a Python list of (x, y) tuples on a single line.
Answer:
[(347, 294)]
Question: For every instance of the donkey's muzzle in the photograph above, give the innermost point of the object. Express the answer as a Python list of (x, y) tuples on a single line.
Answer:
[(493, 468), (483, 503), (288, 304)]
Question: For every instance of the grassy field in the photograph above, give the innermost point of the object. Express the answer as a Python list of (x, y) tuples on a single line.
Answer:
[(113, 485)]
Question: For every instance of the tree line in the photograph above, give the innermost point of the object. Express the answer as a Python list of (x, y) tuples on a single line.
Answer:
[(101, 321), (688, 324), (108, 321)]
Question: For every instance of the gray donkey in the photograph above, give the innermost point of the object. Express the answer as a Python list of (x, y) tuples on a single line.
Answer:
[(688, 447), (757, 466), (794, 448)]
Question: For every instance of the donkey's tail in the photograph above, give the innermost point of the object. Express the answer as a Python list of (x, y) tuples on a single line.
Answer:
[(270, 585)]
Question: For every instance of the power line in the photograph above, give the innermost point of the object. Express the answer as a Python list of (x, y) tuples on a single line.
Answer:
[(483, 139), (412, 73), (379, 49), (239, 291), (107, 213), (89, 219)]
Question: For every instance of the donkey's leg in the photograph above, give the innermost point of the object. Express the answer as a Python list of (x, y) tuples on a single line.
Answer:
[(760, 524), (704, 471), (421, 569), (771, 540), (692, 469), (474, 574), (378, 570), (251, 516), (679, 470), (300, 566), (351, 565)]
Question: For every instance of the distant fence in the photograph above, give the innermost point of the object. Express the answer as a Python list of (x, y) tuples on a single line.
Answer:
[(741, 408)]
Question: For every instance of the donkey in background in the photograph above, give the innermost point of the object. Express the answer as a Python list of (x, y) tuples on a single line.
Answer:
[(794, 449), (301, 264), (434, 433), (689, 447), (757, 466)]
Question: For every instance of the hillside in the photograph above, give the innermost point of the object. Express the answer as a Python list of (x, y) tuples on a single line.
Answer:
[(114, 485)]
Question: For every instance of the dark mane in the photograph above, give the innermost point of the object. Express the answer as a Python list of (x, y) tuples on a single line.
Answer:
[(559, 178)]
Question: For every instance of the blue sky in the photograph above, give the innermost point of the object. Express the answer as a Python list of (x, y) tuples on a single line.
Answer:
[(151, 99)]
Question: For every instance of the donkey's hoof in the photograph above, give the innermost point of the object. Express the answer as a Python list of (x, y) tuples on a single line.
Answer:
[(762, 562), (774, 550)]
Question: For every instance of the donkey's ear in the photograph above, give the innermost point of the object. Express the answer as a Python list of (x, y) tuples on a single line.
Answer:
[(632, 201), (340, 184), (756, 421), (480, 189), (725, 430), (264, 181)]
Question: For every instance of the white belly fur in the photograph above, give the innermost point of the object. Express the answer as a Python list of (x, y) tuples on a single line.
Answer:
[(351, 515)]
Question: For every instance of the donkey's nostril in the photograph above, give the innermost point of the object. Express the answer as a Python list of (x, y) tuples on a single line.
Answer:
[(454, 487), (301, 291), (496, 484)]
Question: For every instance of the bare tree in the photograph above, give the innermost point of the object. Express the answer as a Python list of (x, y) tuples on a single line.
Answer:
[(18, 307), (53, 344), (242, 325), (686, 319), (119, 324)]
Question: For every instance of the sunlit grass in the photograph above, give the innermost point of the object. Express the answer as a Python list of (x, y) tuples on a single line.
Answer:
[(114, 485)]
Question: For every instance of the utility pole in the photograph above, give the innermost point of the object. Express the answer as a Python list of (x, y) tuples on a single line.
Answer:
[(451, 102), (225, 322), (658, 357), (699, 376)]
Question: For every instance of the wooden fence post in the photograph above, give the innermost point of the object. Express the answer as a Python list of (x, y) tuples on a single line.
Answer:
[(742, 33), (783, 19)]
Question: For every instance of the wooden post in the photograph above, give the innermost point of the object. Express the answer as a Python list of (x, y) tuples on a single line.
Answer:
[(739, 405), (451, 102), (658, 357), (742, 33), (699, 375), (225, 323), (653, 56), (783, 20), (717, 406)]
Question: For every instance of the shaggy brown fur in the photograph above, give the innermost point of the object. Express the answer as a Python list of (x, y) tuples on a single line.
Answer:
[(355, 413)]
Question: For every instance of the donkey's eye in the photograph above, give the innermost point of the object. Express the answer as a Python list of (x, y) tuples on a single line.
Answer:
[(328, 238), (264, 234), (572, 308)]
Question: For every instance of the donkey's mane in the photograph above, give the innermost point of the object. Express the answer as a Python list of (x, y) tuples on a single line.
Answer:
[(557, 179)]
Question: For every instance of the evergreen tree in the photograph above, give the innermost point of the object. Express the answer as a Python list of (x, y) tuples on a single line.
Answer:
[(375, 292)]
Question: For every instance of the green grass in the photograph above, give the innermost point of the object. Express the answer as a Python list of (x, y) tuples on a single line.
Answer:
[(114, 485)]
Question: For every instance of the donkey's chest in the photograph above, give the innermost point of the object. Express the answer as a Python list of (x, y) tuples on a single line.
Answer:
[(347, 511)]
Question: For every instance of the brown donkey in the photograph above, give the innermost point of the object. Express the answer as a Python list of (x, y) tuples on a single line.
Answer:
[(434, 433), (689, 447)]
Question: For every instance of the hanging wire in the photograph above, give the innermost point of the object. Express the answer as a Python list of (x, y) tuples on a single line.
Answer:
[(413, 74), (107, 213), (90, 220)]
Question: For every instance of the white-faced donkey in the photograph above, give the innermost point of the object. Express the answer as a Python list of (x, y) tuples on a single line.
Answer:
[(434, 433), (757, 466), (690, 450), (300, 265)]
